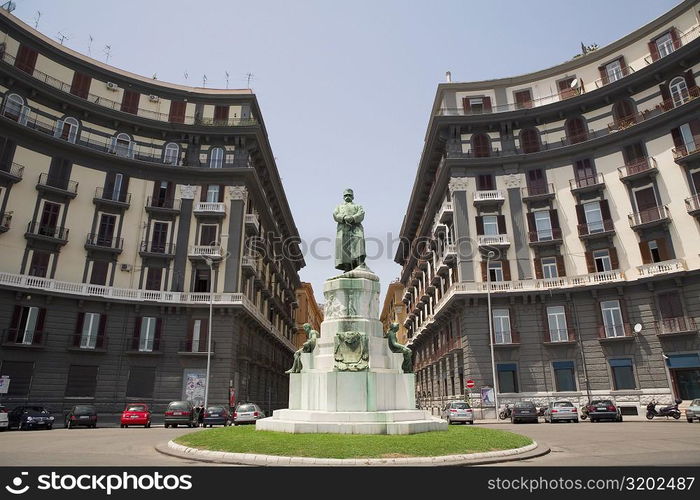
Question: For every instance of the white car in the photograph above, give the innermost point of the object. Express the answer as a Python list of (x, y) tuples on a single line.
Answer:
[(458, 411), (4, 421), (247, 413), (561, 411)]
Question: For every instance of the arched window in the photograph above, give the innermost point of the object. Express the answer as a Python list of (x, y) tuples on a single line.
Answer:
[(576, 130), (679, 91), (530, 140), (15, 109), (122, 145), (624, 113), (216, 158), (67, 129), (481, 145), (171, 153)]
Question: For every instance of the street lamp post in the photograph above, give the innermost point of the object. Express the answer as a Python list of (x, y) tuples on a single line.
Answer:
[(489, 256), (210, 263)]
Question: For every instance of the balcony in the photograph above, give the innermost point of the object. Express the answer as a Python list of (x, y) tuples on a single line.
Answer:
[(100, 242), (195, 348), (450, 253), (200, 252), (587, 184), (445, 213), (506, 339), (209, 209), (157, 249), (642, 168), (496, 240), (538, 193), (546, 237), (607, 79), (12, 172), (650, 217), (111, 199), (52, 234), (679, 100), (252, 224), (676, 326), (57, 185), (13, 337), (623, 122), (615, 332), (495, 197), (663, 267), (692, 205), (5, 219), (593, 230), (163, 207), (248, 265)]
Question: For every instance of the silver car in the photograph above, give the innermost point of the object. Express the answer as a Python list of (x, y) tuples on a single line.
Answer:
[(458, 411), (693, 411), (247, 413), (561, 411)]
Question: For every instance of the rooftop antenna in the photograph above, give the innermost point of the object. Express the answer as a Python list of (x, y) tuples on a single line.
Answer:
[(108, 52), (62, 38), (8, 6), (204, 80), (186, 75), (90, 45), (155, 76), (250, 77), (448, 77), (227, 77)]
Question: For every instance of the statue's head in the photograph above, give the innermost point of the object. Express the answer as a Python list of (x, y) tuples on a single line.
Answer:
[(307, 327), (394, 327), (348, 195)]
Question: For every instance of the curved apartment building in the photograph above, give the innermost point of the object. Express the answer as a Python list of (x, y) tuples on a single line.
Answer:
[(123, 202), (584, 181)]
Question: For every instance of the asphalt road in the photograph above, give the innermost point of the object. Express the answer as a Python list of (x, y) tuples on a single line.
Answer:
[(599, 444)]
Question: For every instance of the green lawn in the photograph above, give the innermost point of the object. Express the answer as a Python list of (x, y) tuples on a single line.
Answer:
[(456, 440)]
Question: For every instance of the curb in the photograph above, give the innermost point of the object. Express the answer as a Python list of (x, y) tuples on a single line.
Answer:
[(221, 457)]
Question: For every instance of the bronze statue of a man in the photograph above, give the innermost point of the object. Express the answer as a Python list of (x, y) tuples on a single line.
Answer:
[(307, 346), (350, 236), (395, 346)]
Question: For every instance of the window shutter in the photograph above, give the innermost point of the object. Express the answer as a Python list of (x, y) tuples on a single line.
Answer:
[(605, 210), (646, 253), (538, 268), (546, 334), (170, 194), (531, 222), (80, 86), (101, 332), (689, 79), (665, 94), (694, 128), (580, 214), (561, 268), (501, 224), (614, 262), (203, 335), (603, 74), (39, 332), (479, 225), (506, 270), (663, 248), (653, 50), (554, 217), (222, 190), (156, 338), (190, 332), (125, 188), (487, 104), (14, 324), (677, 138), (177, 111), (569, 324), (221, 113), (675, 38), (590, 263), (26, 59), (78, 329), (483, 271), (137, 333), (203, 194), (466, 105)]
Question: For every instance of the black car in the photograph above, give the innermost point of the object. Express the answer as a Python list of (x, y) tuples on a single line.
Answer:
[(30, 417), (217, 415), (524, 411), (85, 415), (181, 413)]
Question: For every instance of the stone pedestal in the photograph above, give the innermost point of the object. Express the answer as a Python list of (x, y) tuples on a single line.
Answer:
[(352, 388)]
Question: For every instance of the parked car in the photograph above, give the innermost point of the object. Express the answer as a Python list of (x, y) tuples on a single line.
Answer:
[(30, 417), (524, 411), (181, 413), (216, 415), (4, 421), (136, 414), (560, 411), (247, 413), (603, 409), (81, 415), (458, 411), (693, 411)]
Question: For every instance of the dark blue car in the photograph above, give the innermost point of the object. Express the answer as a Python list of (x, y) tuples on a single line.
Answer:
[(217, 415), (30, 417)]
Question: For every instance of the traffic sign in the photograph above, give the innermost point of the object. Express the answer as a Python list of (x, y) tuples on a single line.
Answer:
[(470, 383)]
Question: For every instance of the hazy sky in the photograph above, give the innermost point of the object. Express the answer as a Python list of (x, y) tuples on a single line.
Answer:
[(345, 88)]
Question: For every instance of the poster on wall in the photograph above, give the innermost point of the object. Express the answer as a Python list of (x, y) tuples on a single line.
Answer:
[(193, 383), (487, 396)]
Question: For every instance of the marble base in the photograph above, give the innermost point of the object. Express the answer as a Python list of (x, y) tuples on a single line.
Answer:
[(351, 422)]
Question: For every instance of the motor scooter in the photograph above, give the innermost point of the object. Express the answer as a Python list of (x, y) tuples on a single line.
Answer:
[(505, 412), (583, 412), (666, 411)]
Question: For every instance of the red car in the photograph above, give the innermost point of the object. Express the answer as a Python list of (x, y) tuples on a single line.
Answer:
[(136, 414)]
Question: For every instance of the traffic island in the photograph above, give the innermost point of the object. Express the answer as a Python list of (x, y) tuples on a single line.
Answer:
[(457, 445)]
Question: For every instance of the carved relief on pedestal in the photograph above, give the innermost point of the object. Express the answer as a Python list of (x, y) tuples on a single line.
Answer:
[(238, 193), (187, 192), (458, 184), (351, 351), (512, 181)]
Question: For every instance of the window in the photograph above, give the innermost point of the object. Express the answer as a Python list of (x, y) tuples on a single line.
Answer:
[(622, 374), (49, 219), (27, 325), (601, 258), (481, 145), (565, 89), (148, 334), (543, 225), (613, 71), (201, 281), (82, 381), (536, 182), (67, 129), (171, 153), (122, 146), (141, 382), (687, 137), (216, 159), (594, 217), (576, 130), (154, 278), (40, 263), (501, 326), (612, 318), (507, 377), (523, 99), (208, 235), (15, 109), (213, 193), (584, 171), (26, 59), (664, 44), (221, 115), (117, 188), (495, 271), (177, 111), (80, 85), (485, 182), (197, 335), (130, 102), (556, 319), (490, 225), (98, 276), (476, 105), (105, 232), (90, 330), (679, 91), (549, 267), (530, 140), (20, 374), (160, 237), (564, 376)]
